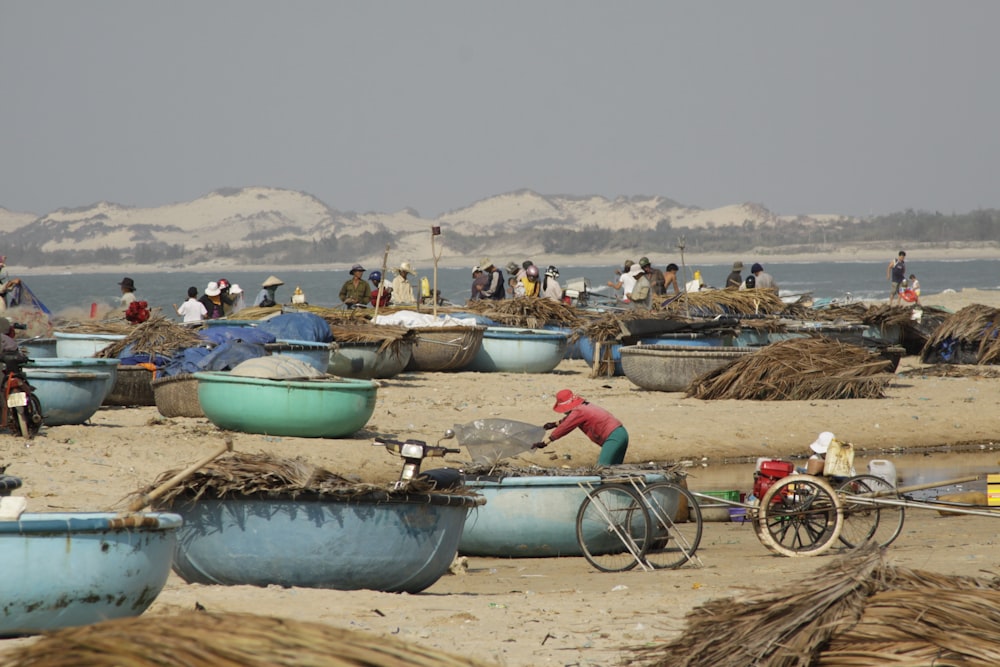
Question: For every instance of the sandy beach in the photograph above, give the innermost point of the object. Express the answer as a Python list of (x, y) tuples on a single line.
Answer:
[(546, 611)]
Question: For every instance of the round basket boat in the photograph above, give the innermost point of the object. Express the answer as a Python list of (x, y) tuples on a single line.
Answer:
[(518, 350), (83, 345), (444, 348), (68, 397), (177, 395), (133, 386), (673, 367), (369, 360)]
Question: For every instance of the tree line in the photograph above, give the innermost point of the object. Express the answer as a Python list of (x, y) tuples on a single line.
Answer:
[(798, 235)]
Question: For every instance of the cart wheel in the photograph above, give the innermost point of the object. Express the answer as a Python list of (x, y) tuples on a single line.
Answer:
[(613, 528), (676, 522), (800, 515), (864, 522)]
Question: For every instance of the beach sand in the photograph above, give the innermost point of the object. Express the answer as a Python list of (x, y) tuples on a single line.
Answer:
[(556, 611)]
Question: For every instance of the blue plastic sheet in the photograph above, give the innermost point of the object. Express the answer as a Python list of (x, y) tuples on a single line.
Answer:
[(298, 326)]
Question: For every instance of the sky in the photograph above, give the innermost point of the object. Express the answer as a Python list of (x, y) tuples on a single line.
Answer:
[(847, 107)]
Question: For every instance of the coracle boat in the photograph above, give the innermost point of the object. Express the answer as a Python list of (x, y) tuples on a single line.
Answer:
[(377, 540), (444, 348), (76, 568), (39, 348), (672, 367), (315, 354), (529, 516), (516, 350), (71, 364), (68, 397), (177, 395), (610, 352), (259, 520), (369, 360), (322, 407), (132, 386), (83, 344)]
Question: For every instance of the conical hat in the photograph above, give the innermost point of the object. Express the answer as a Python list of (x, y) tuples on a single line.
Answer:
[(272, 281)]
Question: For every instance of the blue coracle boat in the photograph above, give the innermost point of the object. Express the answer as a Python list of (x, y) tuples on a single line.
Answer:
[(517, 350), (76, 568), (379, 541)]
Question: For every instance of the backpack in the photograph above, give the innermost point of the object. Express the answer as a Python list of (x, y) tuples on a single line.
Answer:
[(641, 290)]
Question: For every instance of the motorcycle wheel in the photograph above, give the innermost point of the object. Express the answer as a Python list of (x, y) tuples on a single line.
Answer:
[(29, 417)]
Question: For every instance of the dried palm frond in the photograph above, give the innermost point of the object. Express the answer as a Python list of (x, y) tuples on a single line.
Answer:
[(157, 336), (240, 474), (976, 328), (799, 369), (858, 610), (530, 312), (390, 337), (207, 639), (727, 302), (116, 326)]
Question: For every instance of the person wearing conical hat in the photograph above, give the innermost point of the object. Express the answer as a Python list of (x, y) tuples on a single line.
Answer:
[(602, 427), (265, 297), (402, 288)]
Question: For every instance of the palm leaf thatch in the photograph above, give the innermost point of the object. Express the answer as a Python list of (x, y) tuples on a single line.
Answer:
[(856, 611), (972, 335), (796, 370), (726, 302), (528, 311), (265, 475), (390, 337), (157, 336), (206, 639)]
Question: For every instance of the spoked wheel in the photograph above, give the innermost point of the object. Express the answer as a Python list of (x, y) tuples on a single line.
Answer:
[(676, 523), (800, 515), (864, 522), (613, 528)]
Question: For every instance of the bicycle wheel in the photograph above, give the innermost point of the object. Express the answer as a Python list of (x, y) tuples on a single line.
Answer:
[(613, 528), (676, 522), (863, 522), (800, 515)]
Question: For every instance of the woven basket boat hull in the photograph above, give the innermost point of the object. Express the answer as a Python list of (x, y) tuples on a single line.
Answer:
[(177, 396), (672, 368), (133, 386), (444, 348)]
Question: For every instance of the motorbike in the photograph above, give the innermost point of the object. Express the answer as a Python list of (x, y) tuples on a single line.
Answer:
[(20, 409), (413, 452)]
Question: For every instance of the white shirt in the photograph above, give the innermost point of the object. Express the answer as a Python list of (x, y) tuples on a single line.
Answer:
[(192, 310)]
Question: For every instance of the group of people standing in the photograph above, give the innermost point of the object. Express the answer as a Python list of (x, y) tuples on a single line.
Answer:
[(357, 292), (221, 298), (526, 280)]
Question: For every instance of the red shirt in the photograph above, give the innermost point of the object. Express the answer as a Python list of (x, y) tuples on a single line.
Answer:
[(386, 295), (596, 422)]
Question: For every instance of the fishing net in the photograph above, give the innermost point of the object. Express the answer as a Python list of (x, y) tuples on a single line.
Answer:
[(489, 440)]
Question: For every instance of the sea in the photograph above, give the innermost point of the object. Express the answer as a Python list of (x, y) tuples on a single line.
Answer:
[(69, 291)]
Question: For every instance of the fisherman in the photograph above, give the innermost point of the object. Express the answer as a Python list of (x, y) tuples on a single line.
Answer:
[(265, 297), (402, 288), (602, 427), (354, 292)]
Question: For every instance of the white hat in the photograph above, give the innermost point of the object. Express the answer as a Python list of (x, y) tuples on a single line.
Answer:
[(213, 289), (235, 289), (822, 443), (635, 270)]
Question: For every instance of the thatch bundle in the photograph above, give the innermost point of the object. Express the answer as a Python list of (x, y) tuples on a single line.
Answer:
[(240, 474), (116, 326), (972, 335), (856, 611), (527, 311), (726, 302), (799, 369), (391, 337), (156, 336), (204, 639)]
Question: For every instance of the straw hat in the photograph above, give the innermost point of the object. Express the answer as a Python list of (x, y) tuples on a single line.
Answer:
[(404, 267), (272, 281), (566, 400)]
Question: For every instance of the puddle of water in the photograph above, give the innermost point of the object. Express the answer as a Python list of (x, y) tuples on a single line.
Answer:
[(912, 468)]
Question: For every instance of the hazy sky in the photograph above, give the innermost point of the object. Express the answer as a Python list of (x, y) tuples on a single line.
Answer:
[(806, 107)]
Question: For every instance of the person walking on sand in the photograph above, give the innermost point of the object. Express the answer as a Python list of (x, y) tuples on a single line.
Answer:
[(602, 427), (895, 273), (192, 310)]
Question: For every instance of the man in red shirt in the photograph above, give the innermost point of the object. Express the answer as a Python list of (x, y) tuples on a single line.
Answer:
[(602, 427)]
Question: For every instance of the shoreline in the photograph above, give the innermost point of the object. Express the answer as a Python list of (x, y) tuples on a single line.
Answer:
[(843, 254)]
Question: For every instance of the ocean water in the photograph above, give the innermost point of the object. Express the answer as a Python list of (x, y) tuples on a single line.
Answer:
[(864, 280)]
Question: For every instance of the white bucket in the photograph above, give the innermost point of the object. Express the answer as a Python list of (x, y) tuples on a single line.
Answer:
[(883, 469)]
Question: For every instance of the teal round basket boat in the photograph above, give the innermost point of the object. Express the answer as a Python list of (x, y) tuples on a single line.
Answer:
[(68, 397), (78, 364), (67, 569), (306, 408), (378, 541), (517, 350)]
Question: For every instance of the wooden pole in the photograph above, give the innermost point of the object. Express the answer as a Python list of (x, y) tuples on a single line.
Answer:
[(148, 498)]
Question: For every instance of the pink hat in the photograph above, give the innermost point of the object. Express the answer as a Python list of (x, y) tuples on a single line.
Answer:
[(566, 400)]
